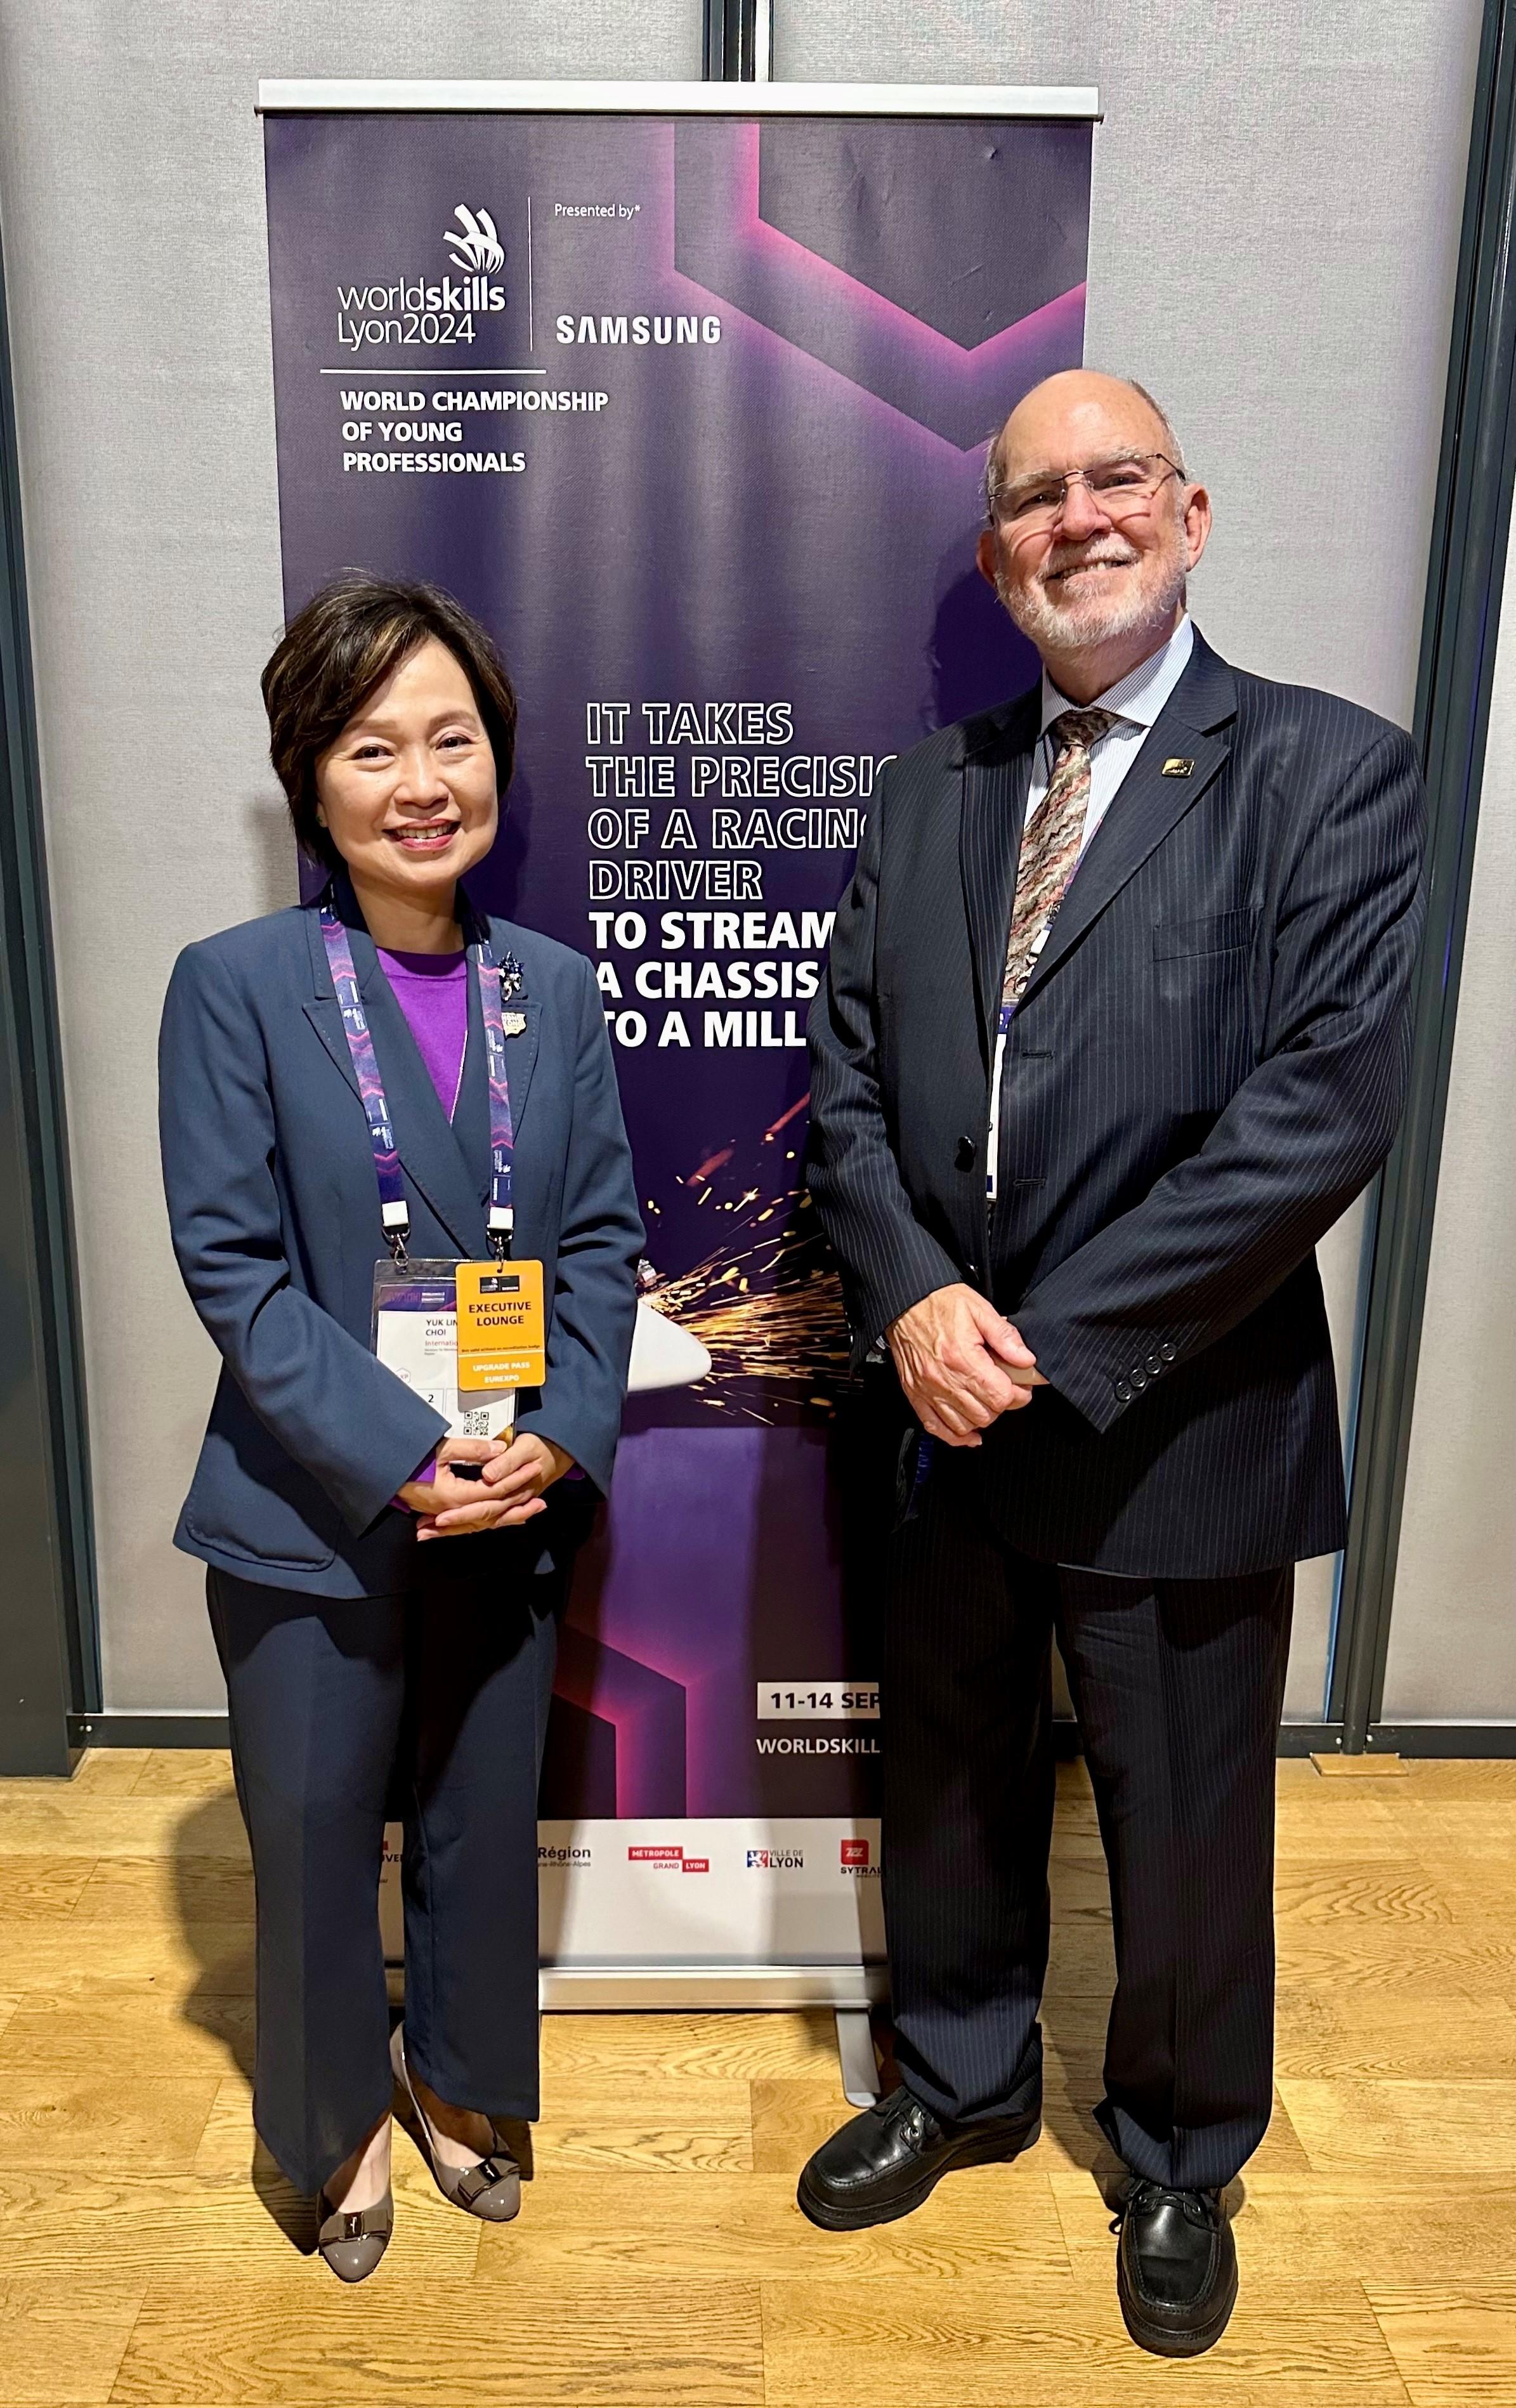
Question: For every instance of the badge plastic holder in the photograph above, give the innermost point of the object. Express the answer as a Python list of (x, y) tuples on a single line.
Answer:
[(415, 1335)]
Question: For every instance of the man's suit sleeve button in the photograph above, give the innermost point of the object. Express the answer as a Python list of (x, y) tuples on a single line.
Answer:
[(1124, 1392), (1140, 1377), (1170, 1352), (1155, 1364)]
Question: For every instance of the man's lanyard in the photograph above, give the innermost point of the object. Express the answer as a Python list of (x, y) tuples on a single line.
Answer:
[(395, 1211)]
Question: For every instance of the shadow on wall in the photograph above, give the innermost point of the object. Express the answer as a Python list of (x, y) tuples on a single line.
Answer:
[(975, 657), (277, 870), (497, 883)]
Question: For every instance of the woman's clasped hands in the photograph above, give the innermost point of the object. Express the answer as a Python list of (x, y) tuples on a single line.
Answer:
[(513, 1473)]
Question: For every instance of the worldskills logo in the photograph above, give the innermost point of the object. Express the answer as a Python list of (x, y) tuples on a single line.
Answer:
[(479, 246), (405, 310)]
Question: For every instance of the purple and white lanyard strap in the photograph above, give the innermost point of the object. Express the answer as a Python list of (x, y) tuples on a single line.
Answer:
[(394, 1211)]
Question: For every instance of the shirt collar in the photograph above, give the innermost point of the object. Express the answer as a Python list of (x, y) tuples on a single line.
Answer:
[(1139, 696)]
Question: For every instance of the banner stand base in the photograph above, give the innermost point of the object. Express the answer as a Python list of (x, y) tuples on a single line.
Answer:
[(855, 2054), (710, 1989), (852, 1991), (849, 1990)]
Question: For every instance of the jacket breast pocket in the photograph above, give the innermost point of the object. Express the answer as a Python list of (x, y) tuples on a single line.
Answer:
[(1202, 979), (1222, 932)]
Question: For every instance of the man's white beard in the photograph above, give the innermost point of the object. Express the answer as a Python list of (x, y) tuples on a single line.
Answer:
[(1086, 621)]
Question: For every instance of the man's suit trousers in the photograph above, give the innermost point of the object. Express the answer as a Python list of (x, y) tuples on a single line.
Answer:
[(427, 1708), (1178, 1687)]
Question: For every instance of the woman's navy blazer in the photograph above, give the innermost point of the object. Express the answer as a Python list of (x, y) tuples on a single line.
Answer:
[(274, 1208)]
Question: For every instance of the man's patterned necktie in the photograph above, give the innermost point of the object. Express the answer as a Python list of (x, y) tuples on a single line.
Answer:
[(1050, 847)]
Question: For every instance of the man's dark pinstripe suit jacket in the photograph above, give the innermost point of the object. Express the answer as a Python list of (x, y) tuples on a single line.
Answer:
[(1207, 1065)]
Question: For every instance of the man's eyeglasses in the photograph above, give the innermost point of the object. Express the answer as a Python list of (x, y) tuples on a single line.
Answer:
[(1120, 488)]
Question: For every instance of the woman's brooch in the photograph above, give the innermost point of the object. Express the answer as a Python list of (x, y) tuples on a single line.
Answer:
[(512, 977)]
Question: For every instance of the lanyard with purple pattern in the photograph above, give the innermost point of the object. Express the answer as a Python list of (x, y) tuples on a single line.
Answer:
[(502, 1137), (395, 1211)]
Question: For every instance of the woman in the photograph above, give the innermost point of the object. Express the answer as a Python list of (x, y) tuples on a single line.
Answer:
[(386, 1073)]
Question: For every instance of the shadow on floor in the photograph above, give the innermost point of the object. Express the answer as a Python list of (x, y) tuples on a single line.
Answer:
[(213, 1899), (1073, 2028)]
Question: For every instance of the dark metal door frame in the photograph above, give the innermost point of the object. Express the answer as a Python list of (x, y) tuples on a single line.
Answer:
[(737, 41), (1470, 530), (48, 1630)]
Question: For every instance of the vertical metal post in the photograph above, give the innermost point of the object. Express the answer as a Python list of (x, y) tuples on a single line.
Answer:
[(856, 2060), (1471, 531), (47, 1629), (738, 41)]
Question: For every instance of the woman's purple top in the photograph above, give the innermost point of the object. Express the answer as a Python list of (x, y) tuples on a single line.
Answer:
[(431, 990)]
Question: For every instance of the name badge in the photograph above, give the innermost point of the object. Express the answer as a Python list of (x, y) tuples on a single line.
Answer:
[(502, 1326), (416, 1337)]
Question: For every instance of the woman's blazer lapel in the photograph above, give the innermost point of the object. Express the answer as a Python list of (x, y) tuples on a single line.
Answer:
[(447, 1163), (429, 1150), (471, 1121), (520, 1049)]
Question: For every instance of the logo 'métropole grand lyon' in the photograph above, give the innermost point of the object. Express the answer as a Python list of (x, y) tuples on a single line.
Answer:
[(409, 310)]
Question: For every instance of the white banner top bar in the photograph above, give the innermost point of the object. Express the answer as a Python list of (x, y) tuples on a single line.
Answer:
[(297, 95)]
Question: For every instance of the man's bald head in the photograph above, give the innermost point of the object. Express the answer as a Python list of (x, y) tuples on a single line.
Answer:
[(1092, 527), (1063, 407)]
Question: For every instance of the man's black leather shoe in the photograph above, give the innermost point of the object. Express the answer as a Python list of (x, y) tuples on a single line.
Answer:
[(886, 2160), (1175, 2268)]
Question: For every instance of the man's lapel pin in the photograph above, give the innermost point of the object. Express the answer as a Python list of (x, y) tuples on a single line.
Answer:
[(1173, 768)]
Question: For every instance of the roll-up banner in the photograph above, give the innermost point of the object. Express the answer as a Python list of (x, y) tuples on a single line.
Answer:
[(684, 389)]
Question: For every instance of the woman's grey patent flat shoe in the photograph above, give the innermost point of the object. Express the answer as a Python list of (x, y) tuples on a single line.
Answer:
[(491, 2188), (353, 2243)]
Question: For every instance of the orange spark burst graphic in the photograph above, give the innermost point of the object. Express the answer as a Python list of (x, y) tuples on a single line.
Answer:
[(768, 1305)]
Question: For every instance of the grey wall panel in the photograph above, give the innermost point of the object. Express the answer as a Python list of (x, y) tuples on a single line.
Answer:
[(1274, 237), (130, 186), (1453, 1632), (1278, 195), (1276, 214)]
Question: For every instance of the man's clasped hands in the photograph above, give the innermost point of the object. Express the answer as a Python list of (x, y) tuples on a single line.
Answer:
[(961, 1364)]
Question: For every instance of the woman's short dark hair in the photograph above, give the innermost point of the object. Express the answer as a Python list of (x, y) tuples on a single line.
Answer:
[(338, 652)]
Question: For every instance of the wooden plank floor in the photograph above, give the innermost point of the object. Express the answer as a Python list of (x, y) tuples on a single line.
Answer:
[(149, 2252)]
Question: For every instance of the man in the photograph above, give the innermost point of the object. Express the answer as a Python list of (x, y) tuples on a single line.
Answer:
[(1116, 1027)]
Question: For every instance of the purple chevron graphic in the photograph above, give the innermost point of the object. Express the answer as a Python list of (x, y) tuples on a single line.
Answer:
[(726, 243)]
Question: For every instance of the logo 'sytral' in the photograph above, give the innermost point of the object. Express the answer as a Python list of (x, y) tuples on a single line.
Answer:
[(479, 246)]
